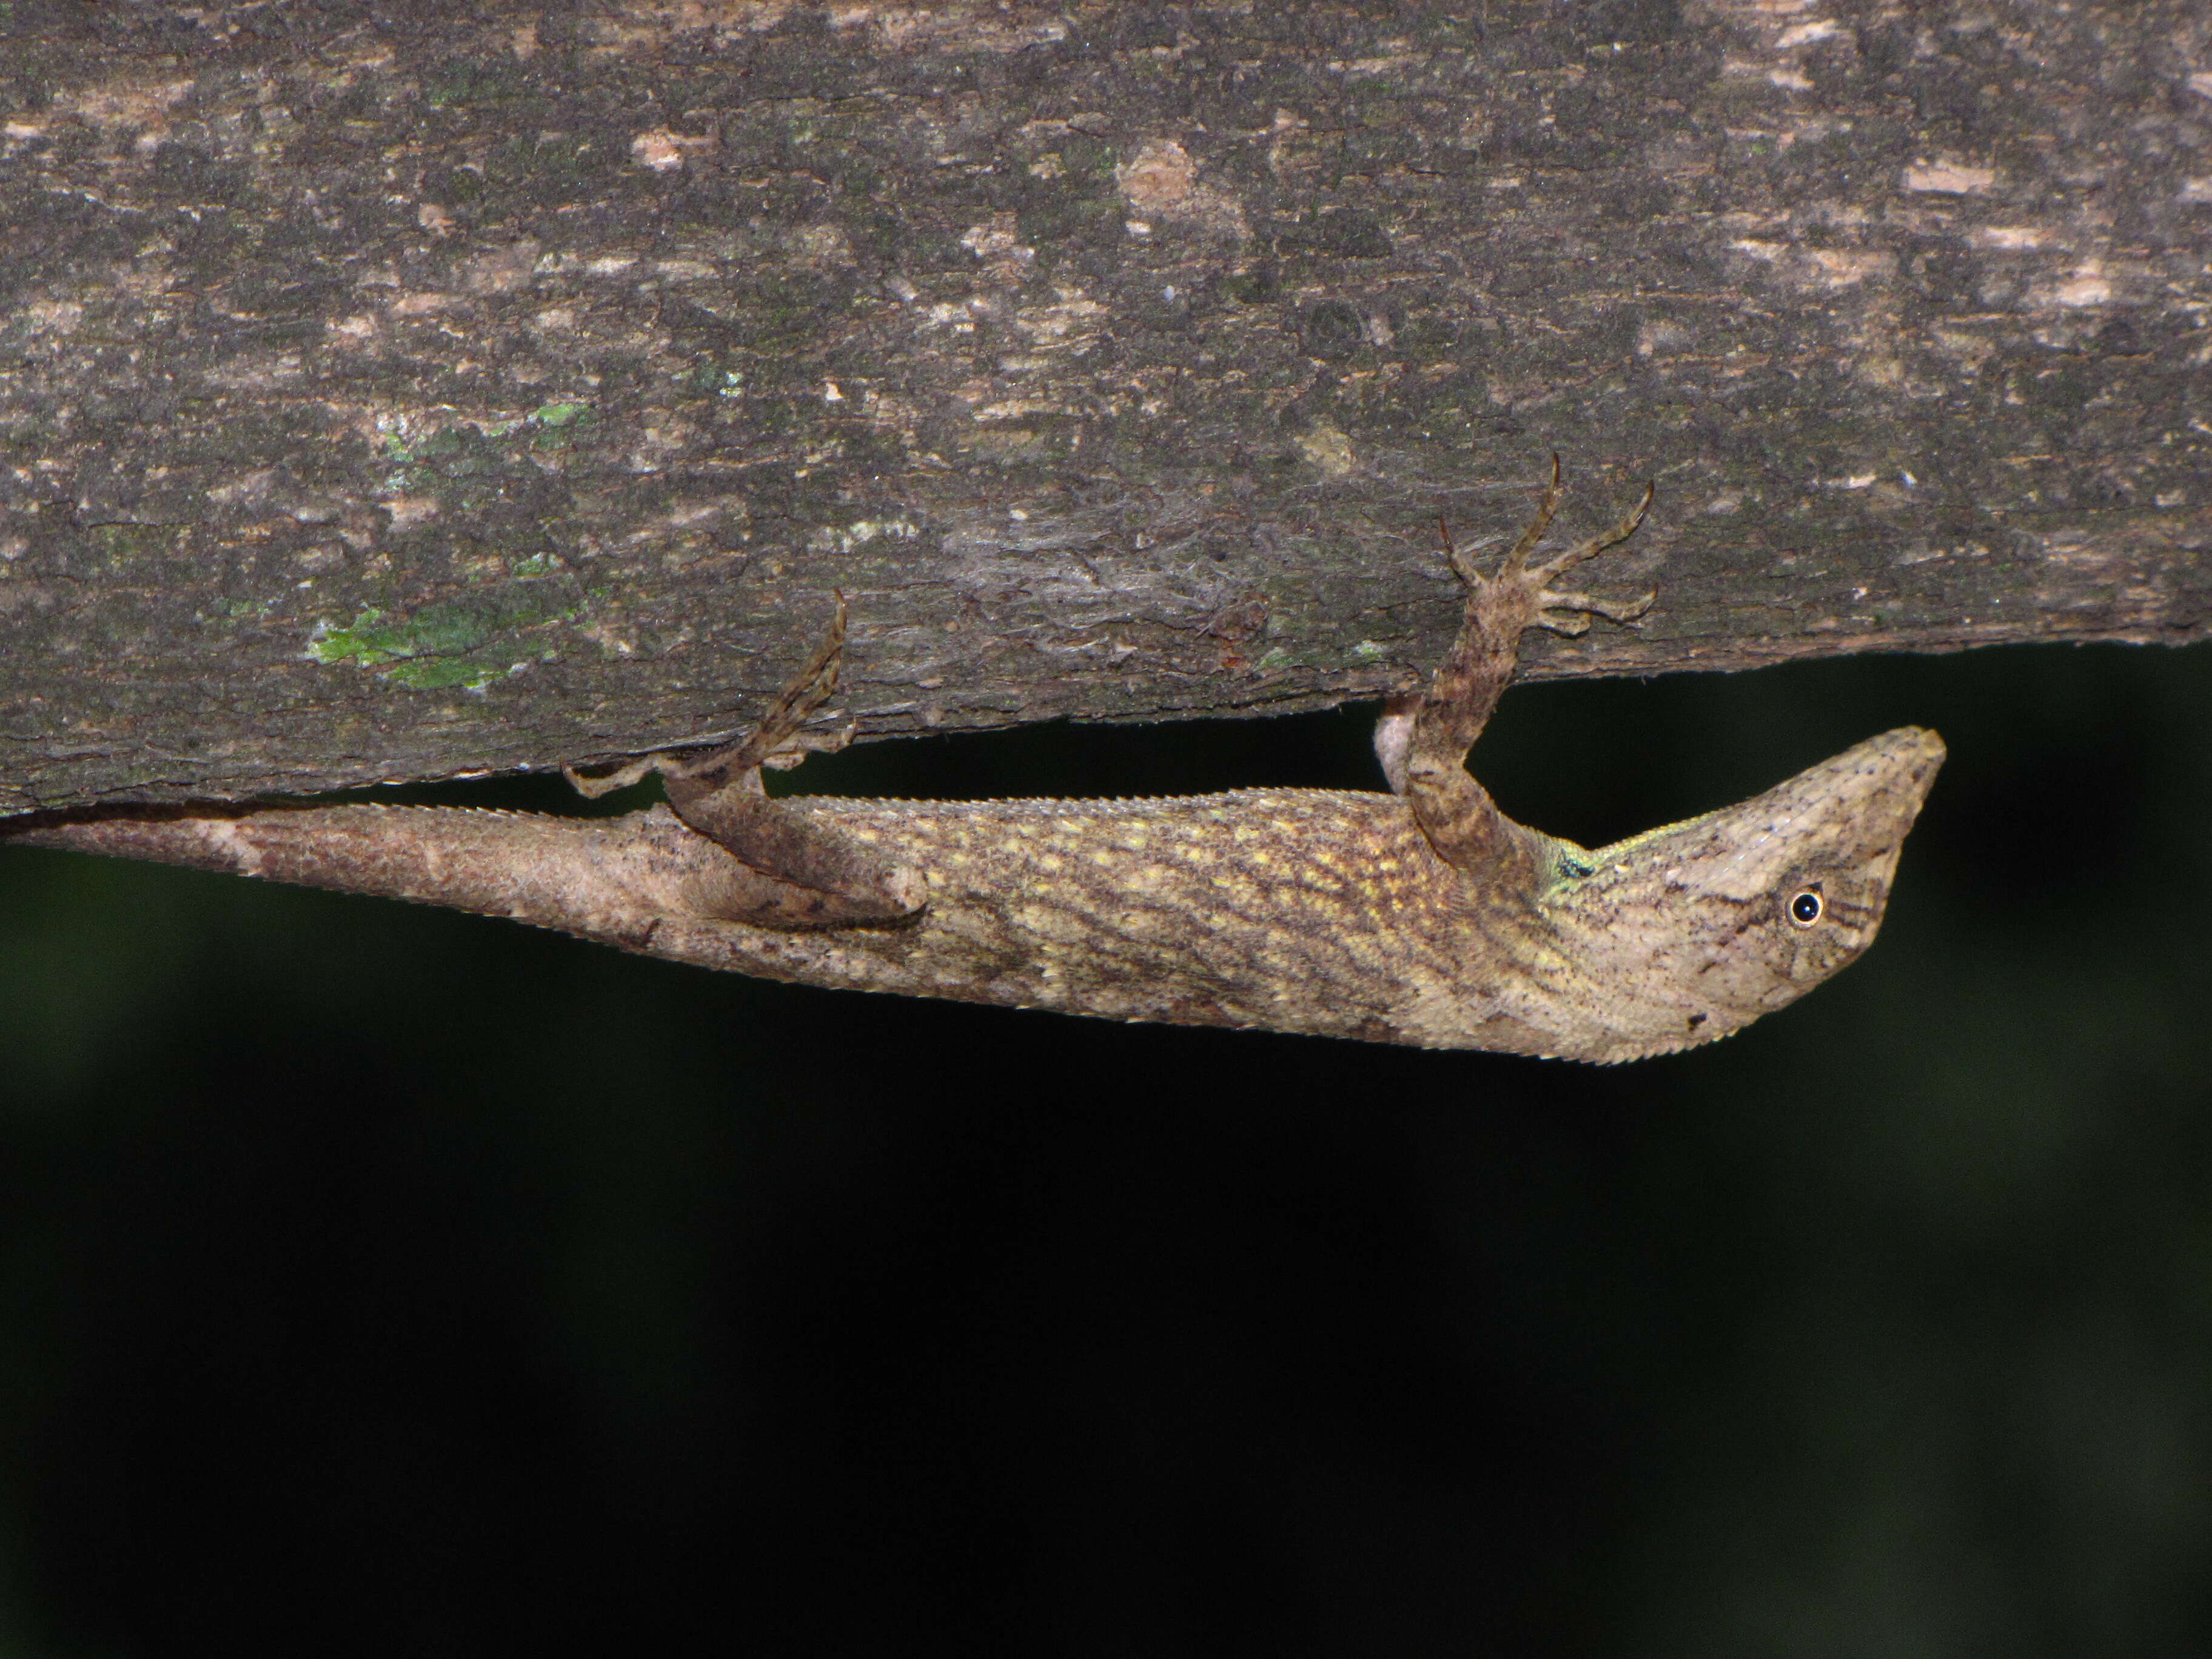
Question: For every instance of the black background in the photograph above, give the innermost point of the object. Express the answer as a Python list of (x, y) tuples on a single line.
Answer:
[(377, 1280)]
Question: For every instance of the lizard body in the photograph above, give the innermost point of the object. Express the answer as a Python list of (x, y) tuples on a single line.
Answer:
[(1421, 916)]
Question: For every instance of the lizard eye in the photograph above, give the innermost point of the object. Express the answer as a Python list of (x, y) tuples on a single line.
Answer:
[(1805, 909)]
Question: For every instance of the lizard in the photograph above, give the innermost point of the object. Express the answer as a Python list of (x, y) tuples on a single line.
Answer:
[(1423, 915)]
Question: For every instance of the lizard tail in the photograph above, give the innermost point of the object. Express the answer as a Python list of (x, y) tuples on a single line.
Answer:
[(607, 878)]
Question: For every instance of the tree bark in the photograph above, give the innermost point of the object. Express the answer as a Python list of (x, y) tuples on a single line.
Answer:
[(401, 394)]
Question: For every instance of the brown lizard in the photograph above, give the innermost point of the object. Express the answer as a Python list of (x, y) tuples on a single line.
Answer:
[(1421, 916)]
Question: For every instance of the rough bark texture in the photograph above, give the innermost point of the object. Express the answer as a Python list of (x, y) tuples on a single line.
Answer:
[(401, 393)]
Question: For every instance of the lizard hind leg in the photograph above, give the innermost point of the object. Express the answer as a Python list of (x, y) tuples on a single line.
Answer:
[(795, 869)]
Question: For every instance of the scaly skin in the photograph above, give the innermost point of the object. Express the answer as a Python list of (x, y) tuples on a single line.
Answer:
[(1423, 916)]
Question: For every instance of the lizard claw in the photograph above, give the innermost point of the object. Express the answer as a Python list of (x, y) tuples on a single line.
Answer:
[(1574, 610), (1516, 562), (811, 743), (607, 782), (1613, 538)]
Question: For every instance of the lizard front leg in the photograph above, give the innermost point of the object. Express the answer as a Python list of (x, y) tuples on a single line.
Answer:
[(1423, 737), (795, 871)]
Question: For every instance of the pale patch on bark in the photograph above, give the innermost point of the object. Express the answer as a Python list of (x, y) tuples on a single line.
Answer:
[(1160, 181), (1327, 448), (1949, 178)]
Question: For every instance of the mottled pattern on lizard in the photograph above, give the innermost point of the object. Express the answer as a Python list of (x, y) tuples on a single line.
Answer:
[(1423, 916)]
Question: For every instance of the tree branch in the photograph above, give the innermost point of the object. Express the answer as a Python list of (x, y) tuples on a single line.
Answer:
[(394, 398)]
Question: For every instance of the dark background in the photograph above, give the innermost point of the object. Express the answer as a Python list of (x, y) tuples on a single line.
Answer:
[(378, 1279)]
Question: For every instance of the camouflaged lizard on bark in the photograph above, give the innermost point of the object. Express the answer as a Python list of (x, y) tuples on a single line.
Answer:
[(1422, 916)]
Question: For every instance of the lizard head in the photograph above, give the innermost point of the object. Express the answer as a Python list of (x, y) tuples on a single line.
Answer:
[(1695, 930)]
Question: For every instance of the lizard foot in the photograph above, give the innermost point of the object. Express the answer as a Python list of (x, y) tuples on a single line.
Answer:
[(1541, 605), (777, 741)]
